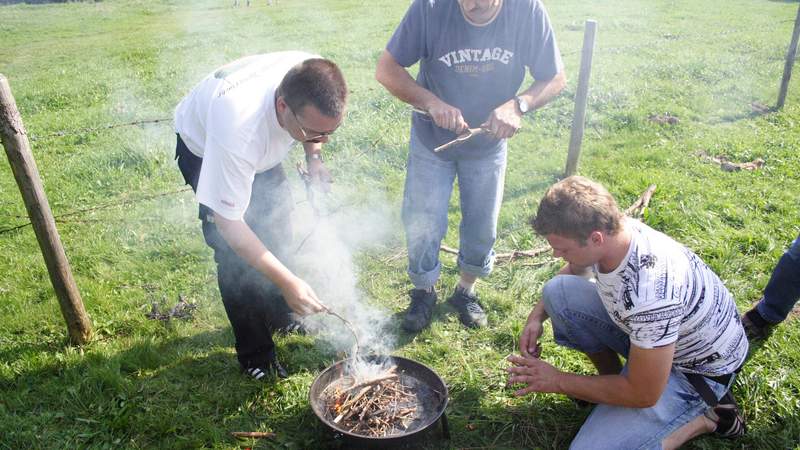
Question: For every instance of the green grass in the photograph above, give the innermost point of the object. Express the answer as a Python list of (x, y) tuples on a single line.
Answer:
[(143, 384)]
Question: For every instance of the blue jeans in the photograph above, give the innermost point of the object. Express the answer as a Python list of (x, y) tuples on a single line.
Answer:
[(783, 288), (429, 182), (580, 321)]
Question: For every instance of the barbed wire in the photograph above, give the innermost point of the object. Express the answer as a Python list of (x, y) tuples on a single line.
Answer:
[(65, 217), (93, 129)]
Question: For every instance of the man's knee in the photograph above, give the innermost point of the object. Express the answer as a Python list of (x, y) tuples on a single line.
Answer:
[(553, 293)]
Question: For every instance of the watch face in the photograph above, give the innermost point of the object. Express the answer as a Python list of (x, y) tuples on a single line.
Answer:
[(523, 105)]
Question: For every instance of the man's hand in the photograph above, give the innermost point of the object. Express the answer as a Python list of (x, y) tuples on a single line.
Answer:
[(504, 121), (446, 116), (537, 374), (529, 339), (320, 176), (301, 298)]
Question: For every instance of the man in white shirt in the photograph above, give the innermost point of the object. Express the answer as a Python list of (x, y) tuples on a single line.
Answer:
[(651, 300), (234, 130)]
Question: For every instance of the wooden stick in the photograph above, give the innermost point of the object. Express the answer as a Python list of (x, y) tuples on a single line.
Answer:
[(505, 257), (791, 54), (469, 134), (253, 434), (15, 141), (579, 115), (375, 381)]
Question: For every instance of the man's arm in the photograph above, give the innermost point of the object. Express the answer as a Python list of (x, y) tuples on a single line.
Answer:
[(298, 294), (529, 339), (641, 387), (541, 92), (506, 119), (396, 79)]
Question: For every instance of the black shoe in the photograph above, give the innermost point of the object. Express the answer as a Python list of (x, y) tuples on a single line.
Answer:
[(418, 315), (755, 327), (272, 368), (469, 310), (729, 420)]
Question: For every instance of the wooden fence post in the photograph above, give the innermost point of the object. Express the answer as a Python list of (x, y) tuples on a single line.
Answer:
[(791, 54), (15, 140), (579, 116)]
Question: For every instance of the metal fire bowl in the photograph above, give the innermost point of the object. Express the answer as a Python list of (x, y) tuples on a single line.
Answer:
[(422, 373)]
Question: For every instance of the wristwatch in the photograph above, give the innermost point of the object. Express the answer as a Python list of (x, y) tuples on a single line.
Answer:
[(311, 156), (522, 104)]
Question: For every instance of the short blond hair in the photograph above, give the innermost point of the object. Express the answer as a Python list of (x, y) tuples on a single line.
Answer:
[(574, 208)]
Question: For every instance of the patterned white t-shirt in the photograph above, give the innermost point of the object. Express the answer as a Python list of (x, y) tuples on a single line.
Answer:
[(663, 293)]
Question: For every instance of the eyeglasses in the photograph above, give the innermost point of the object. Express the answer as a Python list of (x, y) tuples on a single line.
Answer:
[(310, 135)]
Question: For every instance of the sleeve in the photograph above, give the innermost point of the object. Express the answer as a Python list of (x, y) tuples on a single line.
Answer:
[(407, 44), (226, 178), (542, 57), (656, 317)]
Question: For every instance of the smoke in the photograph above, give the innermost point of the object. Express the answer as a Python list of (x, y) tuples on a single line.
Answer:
[(327, 242)]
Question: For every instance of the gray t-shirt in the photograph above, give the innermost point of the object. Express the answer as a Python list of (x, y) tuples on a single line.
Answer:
[(662, 293), (473, 68)]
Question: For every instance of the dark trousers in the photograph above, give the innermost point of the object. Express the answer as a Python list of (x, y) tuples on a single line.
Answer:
[(783, 289), (254, 305)]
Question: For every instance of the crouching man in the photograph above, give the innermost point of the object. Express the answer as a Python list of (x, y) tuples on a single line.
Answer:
[(651, 300)]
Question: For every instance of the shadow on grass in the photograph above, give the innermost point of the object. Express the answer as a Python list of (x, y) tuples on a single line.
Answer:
[(526, 189), (183, 392), (543, 421), (441, 313)]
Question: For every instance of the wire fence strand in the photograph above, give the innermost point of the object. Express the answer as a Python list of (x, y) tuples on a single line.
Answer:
[(66, 216)]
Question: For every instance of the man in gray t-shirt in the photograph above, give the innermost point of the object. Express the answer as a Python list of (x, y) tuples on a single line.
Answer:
[(472, 57)]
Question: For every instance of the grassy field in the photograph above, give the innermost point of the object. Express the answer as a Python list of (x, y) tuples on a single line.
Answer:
[(77, 67)]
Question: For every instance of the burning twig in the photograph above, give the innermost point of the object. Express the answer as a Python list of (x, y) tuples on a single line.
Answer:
[(375, 381), (382, 406)]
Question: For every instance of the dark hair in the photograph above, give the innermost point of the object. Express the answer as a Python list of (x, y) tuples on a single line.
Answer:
[(318, 82), (574, 208)]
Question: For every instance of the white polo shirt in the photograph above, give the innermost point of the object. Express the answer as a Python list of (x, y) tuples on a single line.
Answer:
[(229, 120)]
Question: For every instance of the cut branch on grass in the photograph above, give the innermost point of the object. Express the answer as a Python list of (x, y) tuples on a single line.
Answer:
[(181, 310), (500, 258), (253, 434), (728, 166), (636, 210)]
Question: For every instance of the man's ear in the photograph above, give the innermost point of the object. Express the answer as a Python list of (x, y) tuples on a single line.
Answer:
[(280, 104), (597, 237)]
